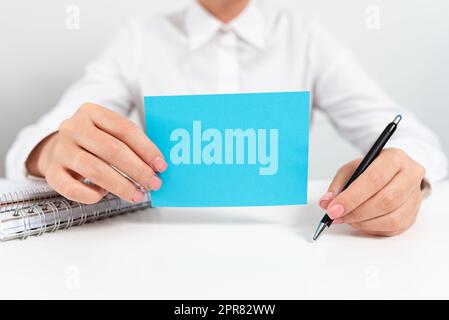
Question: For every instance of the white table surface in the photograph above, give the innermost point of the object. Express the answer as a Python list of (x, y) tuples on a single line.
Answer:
[(239, 253)]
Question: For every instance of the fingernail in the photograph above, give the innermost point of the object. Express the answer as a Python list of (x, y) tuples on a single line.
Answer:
[(138, 196), (326, 197), (160, 164), (155, 183), (336, 211), (338, 221)]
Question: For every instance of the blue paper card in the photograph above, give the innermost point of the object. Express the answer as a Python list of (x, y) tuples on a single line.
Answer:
[(231, 149)]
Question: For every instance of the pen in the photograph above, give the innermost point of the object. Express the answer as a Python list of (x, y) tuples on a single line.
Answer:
[(372, 154)]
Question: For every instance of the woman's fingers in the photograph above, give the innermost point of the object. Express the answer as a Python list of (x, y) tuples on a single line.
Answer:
[(104, 147), (65, 184), (119, 155), (375, 177), (387, 200), (339, 181), (102, 174), (395, 222), (129, 133)]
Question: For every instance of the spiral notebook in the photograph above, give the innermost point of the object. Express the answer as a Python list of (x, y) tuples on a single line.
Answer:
[(33, 208)]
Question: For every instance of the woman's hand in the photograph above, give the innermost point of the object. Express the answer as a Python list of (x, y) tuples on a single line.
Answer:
[(89, 145), (383, 201)]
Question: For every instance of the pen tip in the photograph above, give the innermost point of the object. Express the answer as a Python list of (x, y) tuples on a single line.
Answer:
[(319, 231)]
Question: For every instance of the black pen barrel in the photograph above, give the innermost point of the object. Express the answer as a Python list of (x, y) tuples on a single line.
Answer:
[(373, 153)]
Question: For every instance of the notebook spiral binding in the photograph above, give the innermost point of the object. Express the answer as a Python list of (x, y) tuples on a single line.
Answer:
[(35, 212), (17, 200)]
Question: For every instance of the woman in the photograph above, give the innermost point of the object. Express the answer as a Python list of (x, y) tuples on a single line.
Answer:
[(223, 46)]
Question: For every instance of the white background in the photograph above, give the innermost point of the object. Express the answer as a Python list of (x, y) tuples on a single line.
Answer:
[(408, 55)]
